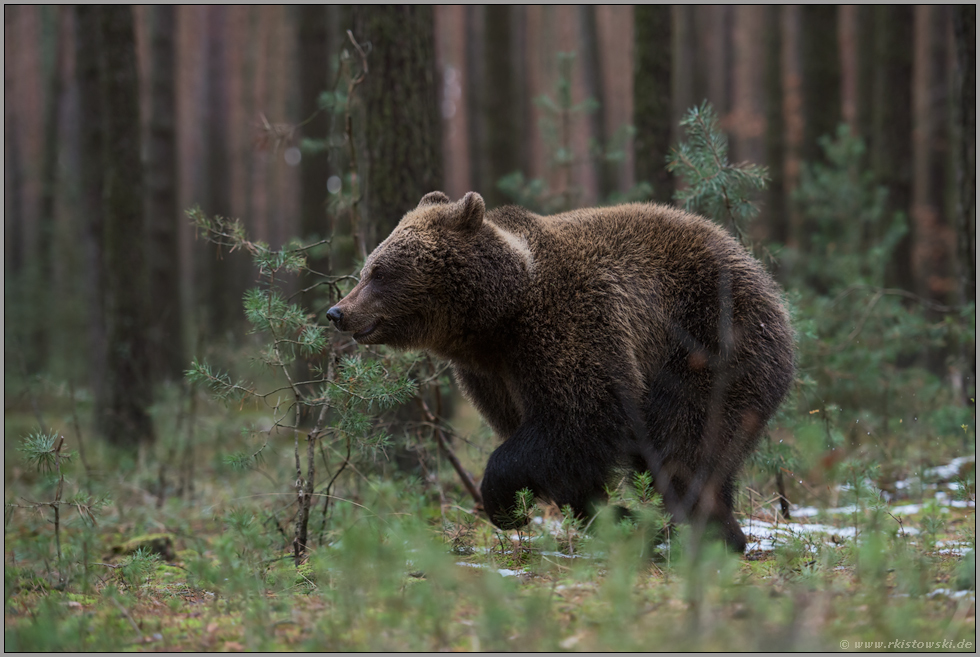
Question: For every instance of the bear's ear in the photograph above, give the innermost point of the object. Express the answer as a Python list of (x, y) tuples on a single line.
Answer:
[(469, 212), (433, 198)]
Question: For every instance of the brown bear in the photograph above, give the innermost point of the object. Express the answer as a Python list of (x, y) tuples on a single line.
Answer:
[(636, 337)]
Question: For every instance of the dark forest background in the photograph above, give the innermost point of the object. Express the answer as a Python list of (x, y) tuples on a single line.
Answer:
[(118, 119)]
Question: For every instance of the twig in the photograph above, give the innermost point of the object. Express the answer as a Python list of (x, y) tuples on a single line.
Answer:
[(127, 616), (893, 291), (186, 486), (78, 433), (781, 489), (465, 476), (349, 131), (57, 495), (304, 488), (326, 491), (901, 525)]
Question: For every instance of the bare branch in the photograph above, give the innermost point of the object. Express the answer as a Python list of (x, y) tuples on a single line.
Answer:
[(465, 476)]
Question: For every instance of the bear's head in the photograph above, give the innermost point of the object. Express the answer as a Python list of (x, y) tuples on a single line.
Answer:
[(413, 284)]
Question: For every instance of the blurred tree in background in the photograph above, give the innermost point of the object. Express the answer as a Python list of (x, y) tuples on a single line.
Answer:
[(229, 100), (652, 82), (87, 67), (891, 156), (128, 388), (169, 358)]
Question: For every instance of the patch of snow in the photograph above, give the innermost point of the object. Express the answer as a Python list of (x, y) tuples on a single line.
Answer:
[(951, 469), (506, 572), (565, 556), (954, 594), (954, 547), (906, 509)]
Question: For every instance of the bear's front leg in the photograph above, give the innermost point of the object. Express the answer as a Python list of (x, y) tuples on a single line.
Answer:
[(561, 463)]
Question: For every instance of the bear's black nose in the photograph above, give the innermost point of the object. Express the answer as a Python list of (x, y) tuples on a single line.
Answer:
[(335, 314)]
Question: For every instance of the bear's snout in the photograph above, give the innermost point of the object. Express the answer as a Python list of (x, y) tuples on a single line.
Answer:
[(352, 317), (335, 315)]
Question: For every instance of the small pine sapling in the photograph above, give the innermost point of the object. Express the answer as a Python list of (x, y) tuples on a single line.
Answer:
[(343, 398), (47, 454), (713, 186)]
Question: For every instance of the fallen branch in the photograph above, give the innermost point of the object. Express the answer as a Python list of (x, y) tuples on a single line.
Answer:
[(465, 476)]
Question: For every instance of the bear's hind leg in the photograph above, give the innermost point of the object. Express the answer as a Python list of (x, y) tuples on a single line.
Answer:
[(714, 510), (701, 501)]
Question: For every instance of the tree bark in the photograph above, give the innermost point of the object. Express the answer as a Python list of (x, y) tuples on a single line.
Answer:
[(501, 111), (168, 356), (820, 89), (45, 283), (225, 274), (401, 120), (965, 30), (821, 77), (691, 84), (934, 248), (13, 245), (126, 422), (474, 83), (776, 206), (892, 138), (652, 93), (314, 78), (864, 101), (87, 71), (592, 76)]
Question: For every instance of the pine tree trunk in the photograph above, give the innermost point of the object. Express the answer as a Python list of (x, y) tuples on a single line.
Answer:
[(592, 75), (223, 292), (652, 93), (314, 79), (892, 138), (87, 66), (931, 156), (821, 77), (166, 321), (126, 422), (45, 284), (401, 113), (864, 102), (965, 29), (718, 21), (776, 206), (684, 70), (474, 83), (821, 88), (501, 111), (13, 220), (748, 88)]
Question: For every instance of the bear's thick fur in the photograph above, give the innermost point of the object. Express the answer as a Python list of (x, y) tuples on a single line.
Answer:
[(631, 337)]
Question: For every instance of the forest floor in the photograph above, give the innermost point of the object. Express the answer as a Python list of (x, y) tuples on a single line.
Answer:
[(398, 565)]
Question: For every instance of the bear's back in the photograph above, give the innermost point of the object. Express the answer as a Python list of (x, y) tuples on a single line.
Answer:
[(656, 274), (678, 253)]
